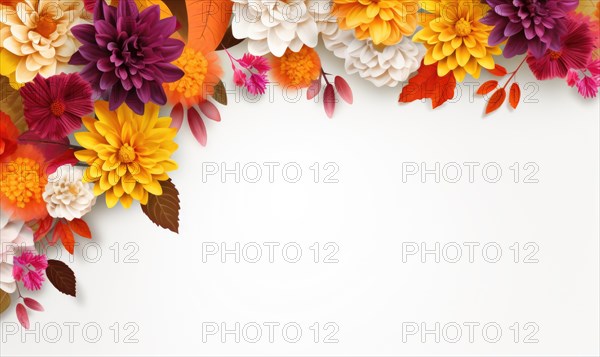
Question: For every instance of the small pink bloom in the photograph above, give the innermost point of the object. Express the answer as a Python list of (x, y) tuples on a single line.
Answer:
[(258, 63), (29, 268), (588, 87), (572, 78), (257, 83), (239, 77)]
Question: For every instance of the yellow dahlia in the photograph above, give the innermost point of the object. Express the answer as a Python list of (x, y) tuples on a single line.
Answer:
[(128, 154), (383, 21), (455, 38)]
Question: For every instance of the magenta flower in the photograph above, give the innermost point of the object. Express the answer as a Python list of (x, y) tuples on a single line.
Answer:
[(128, 54), (53, 107), (257, 83), (588, 87), (29, 268), (257, 67), (528, 25), (573, 52)]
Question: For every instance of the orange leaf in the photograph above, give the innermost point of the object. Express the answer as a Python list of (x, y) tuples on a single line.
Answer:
[(80, 228), (498, 71), (208, 21), (487, 87), (496, 100), (427, 84), (44, 227), (515, 95), (63, 232)]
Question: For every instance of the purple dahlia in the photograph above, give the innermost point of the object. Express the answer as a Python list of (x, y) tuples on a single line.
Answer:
[(128, 54), (534, 25)]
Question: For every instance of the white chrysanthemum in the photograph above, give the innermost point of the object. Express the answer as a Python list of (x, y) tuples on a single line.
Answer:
[(381, 65), (35, 37), (66, 195), (276, 25), (14, 236)]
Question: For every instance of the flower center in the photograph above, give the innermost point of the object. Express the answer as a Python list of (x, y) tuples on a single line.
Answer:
[(126, 154), (463, 27), (554, 55), (299, 67), (46, 25), (74, 189), (21, 182), (195, 66), (57, 108)]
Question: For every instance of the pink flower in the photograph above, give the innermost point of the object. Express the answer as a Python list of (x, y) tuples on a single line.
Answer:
[(575, 53), (572, 77), (588, 87), (239, 77), (29, 268), (257, 83), (257, 63)]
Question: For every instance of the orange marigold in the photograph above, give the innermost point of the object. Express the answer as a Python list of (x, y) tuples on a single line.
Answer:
[(202, 73), (22, 182), (296, 69)]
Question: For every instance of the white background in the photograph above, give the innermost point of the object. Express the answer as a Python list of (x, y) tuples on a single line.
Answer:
[(370, 293)]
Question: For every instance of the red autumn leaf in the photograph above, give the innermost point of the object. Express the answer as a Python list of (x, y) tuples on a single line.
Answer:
[(177, 116), (22, 316), (33, 304), (515, 95), (64, 233), (329, 100), (427, 84), (210, 110), (487, 87), (314, 89), (197, 126), (44, 227), (496, 100), (344, 89), (80, 228), (498, 71)]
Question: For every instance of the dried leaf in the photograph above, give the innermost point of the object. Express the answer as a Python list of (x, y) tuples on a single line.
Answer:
[(229, 40), (329, 100), (344, 89), (197, 126), (61, 276), (163, 210), (496, 100), (33, 304), (81, 228), (498, 71), (427, 84), (12, 104), (487, 87), (22, 316), (220, 94), (515, 95), (208, 21), (64, 233), (210, 110), (4, 301)]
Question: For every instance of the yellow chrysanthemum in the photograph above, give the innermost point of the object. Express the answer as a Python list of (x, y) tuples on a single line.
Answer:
[(455, 38), (383, 21), (128, 154)]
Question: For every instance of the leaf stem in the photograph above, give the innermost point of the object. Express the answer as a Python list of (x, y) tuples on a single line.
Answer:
[(515, 72), (324, 75), (52, 143)]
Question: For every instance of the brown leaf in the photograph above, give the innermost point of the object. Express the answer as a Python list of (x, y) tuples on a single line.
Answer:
[(61, 276), (80, 228), (427, 84), (208, 21), (4, 301), (496, 100), (228, 40), (163, 210), (220, 94), (487, 87), (12, 104), (498, 71), (515, 95)]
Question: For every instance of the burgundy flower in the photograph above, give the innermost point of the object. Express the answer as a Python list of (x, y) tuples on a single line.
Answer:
[(128, 54), (574, 51), (53, 106), (533, 25)]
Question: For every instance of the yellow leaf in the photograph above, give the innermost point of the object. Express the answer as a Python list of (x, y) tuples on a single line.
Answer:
[(11, 104), (4, 301)]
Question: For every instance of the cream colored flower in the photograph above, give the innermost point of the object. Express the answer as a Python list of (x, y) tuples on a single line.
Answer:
[(381, 65), (14, 235), (66, 195), (276, 25), (35, 37)]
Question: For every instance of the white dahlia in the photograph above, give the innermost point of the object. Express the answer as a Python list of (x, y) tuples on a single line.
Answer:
[(66, 195), (35, 37), (276, 25), (14, 236), (381, 65)]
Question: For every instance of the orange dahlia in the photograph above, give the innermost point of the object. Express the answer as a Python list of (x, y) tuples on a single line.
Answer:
[(202, 73), (22, 182), (296, 69), (383, 21)]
